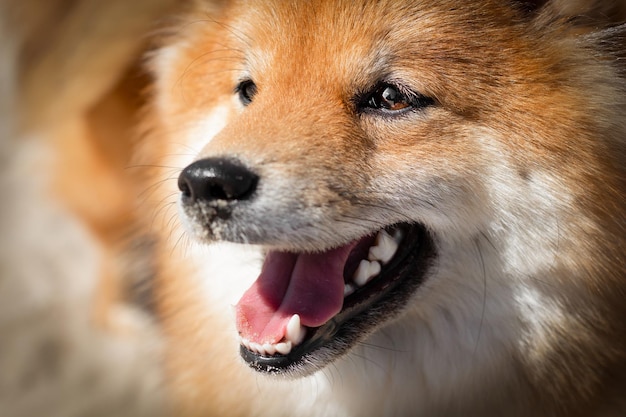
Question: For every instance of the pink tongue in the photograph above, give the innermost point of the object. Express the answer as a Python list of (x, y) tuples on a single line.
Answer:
[(310, 285)]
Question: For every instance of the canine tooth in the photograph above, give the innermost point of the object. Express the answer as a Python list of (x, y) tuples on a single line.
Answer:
[(295, 331), (348, 289), (245, 343), (385, 249), (283, 347), (365, 272)]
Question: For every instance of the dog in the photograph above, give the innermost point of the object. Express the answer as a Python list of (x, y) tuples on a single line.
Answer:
[(392, 208), (415, 208)]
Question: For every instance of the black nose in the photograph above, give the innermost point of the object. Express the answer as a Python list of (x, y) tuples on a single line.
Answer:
[(214, 179)]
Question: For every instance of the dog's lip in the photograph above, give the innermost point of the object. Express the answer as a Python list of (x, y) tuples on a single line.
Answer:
[(386, 289)]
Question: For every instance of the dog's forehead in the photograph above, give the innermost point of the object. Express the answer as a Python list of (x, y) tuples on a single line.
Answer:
[(361, 38), (311, 36)]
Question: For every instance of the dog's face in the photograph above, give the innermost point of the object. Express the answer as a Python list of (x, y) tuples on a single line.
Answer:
[(395, 161)]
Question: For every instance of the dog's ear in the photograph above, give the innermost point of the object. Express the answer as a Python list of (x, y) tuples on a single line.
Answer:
[(579, 13)]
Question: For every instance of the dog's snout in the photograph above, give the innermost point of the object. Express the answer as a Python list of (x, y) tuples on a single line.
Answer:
[(215, 179)]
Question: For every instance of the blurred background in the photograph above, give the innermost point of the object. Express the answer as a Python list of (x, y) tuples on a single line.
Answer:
[(72, 340)]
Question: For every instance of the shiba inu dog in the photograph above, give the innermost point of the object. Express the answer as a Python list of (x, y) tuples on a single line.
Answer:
[(420, 207)]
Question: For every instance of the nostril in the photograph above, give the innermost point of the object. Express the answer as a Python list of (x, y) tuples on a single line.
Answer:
[(214, 179), (184, 187)]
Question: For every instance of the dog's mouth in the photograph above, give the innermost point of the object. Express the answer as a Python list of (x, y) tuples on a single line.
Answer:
[(306, 309)]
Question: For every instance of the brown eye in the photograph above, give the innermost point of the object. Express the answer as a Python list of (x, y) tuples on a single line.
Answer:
[(388, 97), (392, 99)]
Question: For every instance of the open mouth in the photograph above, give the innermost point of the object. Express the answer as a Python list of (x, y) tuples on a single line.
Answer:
[(306, 309)]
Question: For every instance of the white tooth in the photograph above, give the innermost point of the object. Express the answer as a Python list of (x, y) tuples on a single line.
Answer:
[(283, 347), (361, 274), (365, 272), (260, 349), (293, 328), (295, 332), (385, 248), (348, 289), (269, 348)]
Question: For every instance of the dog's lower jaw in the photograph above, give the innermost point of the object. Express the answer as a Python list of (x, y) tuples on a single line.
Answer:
[(434, 349)]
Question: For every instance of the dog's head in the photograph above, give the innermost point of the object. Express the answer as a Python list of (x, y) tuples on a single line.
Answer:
[(428, 160)]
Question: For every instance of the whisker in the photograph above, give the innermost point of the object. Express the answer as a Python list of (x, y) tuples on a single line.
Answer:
[(198, 60), (237, 34), (178, 241), (369, 360), (161, 212), (150, 166), (192, 150), (153, 188), (381, 348), (359, 220)]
